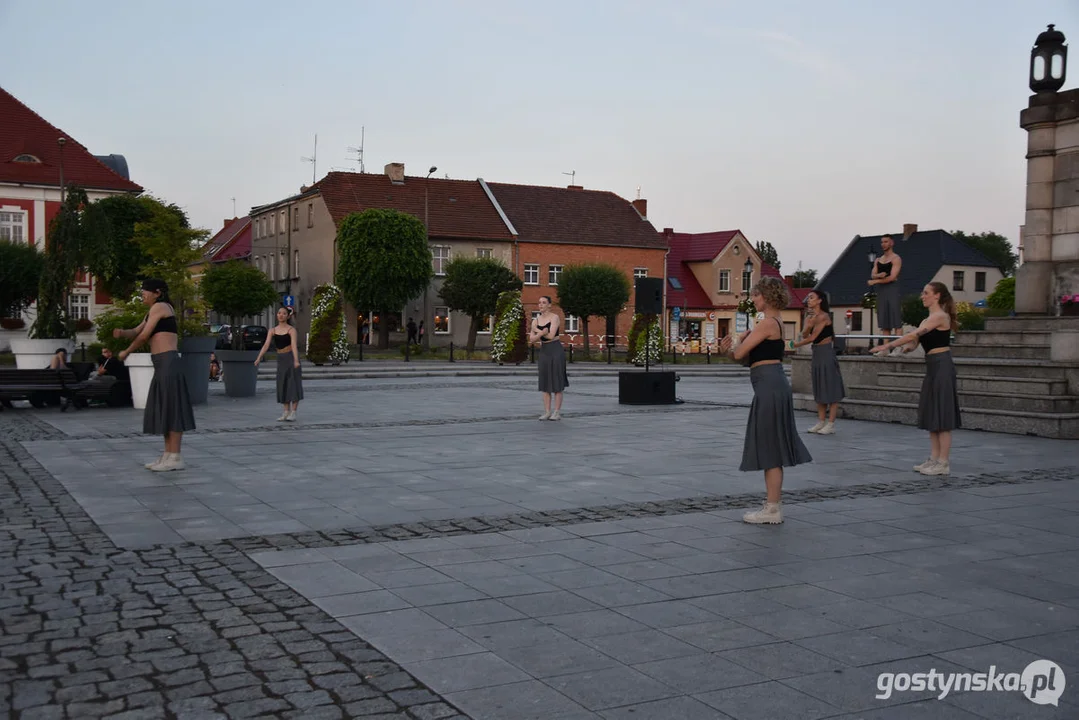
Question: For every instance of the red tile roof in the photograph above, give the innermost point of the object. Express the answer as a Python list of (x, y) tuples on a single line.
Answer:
[(232, 241), (457, 208), (574, 216), (24, 132)]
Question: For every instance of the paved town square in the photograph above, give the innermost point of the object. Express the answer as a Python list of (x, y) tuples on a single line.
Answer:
[(421, 547)]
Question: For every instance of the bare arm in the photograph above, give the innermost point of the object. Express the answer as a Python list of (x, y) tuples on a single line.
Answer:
[(265, 346), (144, 330), (930, 324), (134, 332), (814, 331), (759, 334), (552, 332), (897, 264), (295, 350)]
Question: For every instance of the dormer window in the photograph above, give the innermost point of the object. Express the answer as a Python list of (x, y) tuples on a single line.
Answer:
[(25, 158)]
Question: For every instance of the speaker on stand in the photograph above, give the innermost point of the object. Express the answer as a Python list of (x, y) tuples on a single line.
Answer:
[(647, 388)]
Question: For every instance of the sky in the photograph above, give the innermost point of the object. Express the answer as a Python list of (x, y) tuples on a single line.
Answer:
[(802, 124)]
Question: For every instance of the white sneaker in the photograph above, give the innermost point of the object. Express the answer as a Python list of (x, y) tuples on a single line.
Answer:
[(150, 465), (172, 461), (556, 415), (284, 417), (291, 416), (941, 467), (927, 464), (816, 428), (545, 416), (828, 429), (896, 351), (770, 514)]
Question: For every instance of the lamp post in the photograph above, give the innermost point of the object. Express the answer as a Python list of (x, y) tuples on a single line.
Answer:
[(872, 260), (427, 229), (1048, 61)]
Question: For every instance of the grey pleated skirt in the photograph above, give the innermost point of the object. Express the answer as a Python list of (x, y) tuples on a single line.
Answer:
[(289, 379), (889, 308), (552, 367), (771, 437), (938, 406), (827, 380), (168, 405)]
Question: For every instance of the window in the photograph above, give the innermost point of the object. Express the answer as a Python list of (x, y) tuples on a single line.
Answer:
[(535, 314), (553, 273), (80, 307), (296, 263), (12, 226), (282, 262), (725, 281), (273, 266), (284, 222), (856, 321), (442, 319), (296, 218), (675, 283), (24, 158), (440, 255), (747, 281), (572, 323), (258, 263), (979, 282), (486, 324), (310, 215), (273, 224), (640, 273), (957, 280), (531, 274), (483, 252)]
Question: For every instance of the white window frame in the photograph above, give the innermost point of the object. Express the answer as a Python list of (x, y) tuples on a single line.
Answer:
[(573, 324), (490, 326), (747, 281), (310, 215), (483, 252), (554, 272), (13, 220), (296, 218), (273, 223), (296, 264), (439, 259), (531, 269), (640, 273), (724, 281), (284, 222), (80, 306), (273, 266), (449, 320)]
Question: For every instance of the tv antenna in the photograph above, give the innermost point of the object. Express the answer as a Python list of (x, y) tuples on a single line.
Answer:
[(572, 176), (359, 150), (638, 192), (233, 207), (313, 160)]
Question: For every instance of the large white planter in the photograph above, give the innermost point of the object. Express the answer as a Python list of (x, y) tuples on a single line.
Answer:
[(140, 369), (6, 336), (37, 354)]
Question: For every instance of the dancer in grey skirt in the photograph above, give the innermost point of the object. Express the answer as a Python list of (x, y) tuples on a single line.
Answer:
[(168, 405), (551, 361), (885, 277), (772, 441), (938, 405), (289, 379), (828, 387)]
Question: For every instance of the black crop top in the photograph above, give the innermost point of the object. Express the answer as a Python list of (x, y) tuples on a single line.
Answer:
[(935, 339), (885, 268), (767, 350), (281, 341), (546, 327), (826, 333), (165, 324)]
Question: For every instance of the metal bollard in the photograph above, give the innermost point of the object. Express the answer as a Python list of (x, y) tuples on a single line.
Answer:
[(608, 353), (84, 352), (361, 350), (532, 352), (408, 350), (571, 353), (708, 358), (451, 353)]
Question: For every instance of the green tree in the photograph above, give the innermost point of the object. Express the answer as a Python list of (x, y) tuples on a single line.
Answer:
[(597, 289), (237, 289), (1003, 295), (384, 262), (21, 268), (118, 260), (768, 254), (994, 246), (805, 278), (473, 285), (73, 234), (170, 246), (913, 311)]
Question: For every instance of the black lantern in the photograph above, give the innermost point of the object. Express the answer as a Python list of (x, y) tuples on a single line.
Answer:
[(872, 257), (1048, 61), (748, 267)]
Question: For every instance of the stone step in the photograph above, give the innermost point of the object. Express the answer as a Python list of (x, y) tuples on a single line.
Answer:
[(1063, 426), (1003, 351), (972, 399), (1038, 338), (1021, 324), (995, 383)]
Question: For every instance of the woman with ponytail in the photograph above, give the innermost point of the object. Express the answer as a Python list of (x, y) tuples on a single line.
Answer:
[(938, 406)]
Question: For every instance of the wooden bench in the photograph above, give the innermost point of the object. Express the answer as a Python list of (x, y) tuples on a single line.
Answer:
[(40, 387)]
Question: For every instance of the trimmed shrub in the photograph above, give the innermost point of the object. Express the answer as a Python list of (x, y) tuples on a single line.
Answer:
[(509, 340), (1003, 295), (328, 341), (645, 338)]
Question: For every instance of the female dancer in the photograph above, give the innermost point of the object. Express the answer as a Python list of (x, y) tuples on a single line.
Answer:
[(772, 441), (938, 406), (168, 406), (289, 380), (552, 358), (828, 387), (885, 276)]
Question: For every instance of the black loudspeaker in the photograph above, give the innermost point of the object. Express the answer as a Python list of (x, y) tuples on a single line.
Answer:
[(646, 388), (649, 293)]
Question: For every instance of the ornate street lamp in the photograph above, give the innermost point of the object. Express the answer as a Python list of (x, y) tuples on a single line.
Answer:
[(1048, 61)]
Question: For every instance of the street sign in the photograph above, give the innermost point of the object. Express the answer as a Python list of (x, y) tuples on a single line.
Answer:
[(741, 322), (288, 301), (850, 314), (677, 314)]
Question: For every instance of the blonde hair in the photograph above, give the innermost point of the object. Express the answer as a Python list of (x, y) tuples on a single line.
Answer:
[(774, 291), (947, 302)]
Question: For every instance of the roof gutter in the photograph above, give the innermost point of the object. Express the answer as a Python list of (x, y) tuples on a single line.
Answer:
[(509, 225)]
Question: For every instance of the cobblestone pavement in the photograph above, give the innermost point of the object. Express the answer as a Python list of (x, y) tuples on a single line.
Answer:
[(618, 584)]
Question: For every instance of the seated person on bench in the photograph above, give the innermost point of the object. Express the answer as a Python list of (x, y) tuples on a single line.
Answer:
[(59, 360), (108, 370)]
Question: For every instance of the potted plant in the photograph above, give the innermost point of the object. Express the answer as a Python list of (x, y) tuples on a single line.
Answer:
[(509, 341), (237, 290), (328, 338), (140, 368), (70, 242), (21, 267)]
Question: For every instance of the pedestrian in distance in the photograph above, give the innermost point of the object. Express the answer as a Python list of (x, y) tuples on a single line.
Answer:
[(289, 379), (828, 387), (551, 364), (885, 278)]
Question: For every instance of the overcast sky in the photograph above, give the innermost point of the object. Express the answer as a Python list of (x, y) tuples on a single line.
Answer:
[(801, 123)]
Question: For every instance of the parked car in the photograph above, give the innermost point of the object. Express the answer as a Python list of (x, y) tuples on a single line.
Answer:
[(224, 336), (253, 336)]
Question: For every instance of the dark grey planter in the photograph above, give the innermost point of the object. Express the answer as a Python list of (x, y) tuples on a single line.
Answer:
[(195, 361), (241, 375)]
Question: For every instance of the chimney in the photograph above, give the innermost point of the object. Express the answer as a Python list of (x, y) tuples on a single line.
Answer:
[(908, 230), (642, 207), (575, 187), (396, 173)]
